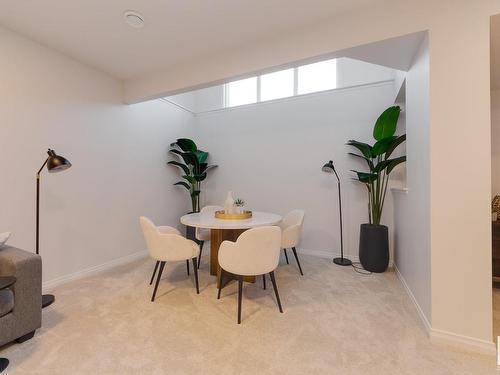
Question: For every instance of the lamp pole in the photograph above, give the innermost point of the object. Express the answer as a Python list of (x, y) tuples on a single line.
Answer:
[(54, 163), (38, 206), (330, 168)]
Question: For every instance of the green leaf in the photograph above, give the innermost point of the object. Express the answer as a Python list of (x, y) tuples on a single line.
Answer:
[(395, 144), (184, 167), (183, 184), (188, 157), (385, 126), (200, 177), (203, 167), (368, 160), (202, 156), (395, 162), (189, 179), (381, 147), (389, 164), (366, 178), (364, 148), (381, 166), (186, 145)]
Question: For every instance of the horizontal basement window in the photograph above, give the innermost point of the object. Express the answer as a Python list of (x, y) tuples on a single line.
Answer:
[(323, 76), (304, 79)]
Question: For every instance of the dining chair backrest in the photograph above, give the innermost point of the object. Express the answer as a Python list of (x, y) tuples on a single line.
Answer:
[(167, 244), (149, 231), (294, 217), (255, 252), (291, 226)]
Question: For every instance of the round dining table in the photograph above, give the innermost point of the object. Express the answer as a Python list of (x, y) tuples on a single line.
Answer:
[(222, 230)]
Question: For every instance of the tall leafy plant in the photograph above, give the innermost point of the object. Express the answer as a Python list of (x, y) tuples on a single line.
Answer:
[(193, 164), (377, 158)]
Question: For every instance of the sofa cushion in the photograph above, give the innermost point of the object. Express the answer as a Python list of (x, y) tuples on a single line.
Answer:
[(6, 301)]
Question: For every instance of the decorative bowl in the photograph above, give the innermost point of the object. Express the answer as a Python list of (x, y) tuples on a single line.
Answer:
[(239, 216)]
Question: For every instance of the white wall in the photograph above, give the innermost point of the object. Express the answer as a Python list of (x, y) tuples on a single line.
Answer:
[(210, 98), (351, 72), (89, 213), (271, 154), (186, 100), (202, 100), (495, 143), (459, 94), (412, 208)]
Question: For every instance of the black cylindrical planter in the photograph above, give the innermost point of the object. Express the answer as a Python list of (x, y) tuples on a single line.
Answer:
[(374, 247)]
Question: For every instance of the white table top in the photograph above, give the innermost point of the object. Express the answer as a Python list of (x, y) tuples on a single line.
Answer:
[(208, 220)]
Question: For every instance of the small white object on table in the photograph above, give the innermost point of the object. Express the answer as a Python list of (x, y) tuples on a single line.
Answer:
[(221, 229)]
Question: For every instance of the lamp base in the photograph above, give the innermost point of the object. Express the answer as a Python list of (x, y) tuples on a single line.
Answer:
[(342, 261), (47, 300), (4, 362)]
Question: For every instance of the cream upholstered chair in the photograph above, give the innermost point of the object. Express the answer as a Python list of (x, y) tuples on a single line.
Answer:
[(203, 234), (166, 244), (255, 252), (291, 227), (166, 230)]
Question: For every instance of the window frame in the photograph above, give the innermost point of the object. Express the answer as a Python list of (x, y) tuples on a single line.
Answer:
[(258, 87)]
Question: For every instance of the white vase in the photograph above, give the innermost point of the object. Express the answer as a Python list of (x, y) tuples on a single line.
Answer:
[(229, 203)]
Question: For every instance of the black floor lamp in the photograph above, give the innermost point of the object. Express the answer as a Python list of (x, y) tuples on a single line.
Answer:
[(329, 168), (54, 163)]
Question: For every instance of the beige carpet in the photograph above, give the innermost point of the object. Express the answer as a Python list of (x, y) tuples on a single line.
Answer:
[(336, 321)]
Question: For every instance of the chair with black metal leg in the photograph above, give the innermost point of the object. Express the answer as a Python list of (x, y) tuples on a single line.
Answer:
[(291, 227), (166, 244), (255, 252), (202, 234), (166, 229)]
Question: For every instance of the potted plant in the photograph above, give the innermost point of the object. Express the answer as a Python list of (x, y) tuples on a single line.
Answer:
[(239, 204), (193, 164), (374, 238)]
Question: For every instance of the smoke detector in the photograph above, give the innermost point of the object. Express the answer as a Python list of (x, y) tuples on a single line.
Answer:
[(134, 19)]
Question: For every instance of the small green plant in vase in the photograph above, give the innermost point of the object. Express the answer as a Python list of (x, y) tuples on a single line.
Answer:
[(239, 204)]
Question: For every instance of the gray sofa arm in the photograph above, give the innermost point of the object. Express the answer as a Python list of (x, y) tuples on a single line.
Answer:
[(26, 316)]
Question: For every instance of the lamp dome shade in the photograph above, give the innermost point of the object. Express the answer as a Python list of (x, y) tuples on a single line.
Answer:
[(328, 167), (56, 163)]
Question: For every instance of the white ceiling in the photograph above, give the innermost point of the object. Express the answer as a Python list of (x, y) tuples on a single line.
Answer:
[(176, 31)]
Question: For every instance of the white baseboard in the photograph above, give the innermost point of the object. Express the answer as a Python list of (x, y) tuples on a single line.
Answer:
[(465, 342), (331, 255), (423, 318), (325, 254), (444, 337), (93, 270)]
